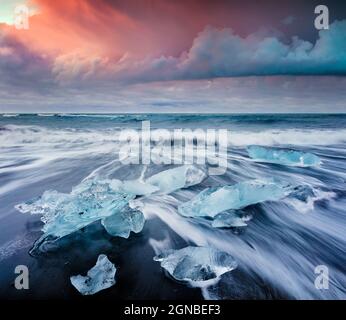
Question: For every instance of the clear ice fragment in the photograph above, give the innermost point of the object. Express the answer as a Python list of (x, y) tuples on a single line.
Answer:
[(88, 202), (283, 156), (212, 201), (100, 277), (197, 265), (123, 222)]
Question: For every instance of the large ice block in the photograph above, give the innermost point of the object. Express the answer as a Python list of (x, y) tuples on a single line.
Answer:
[(100, 277), (196, 265), (283, 156), (212, 201), (173, 179), (106, 200), (88, 202)]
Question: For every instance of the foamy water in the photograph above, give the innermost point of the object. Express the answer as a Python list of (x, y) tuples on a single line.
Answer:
[(276, 253)]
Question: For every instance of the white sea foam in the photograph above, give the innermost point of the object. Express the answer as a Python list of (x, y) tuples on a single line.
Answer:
[(25, 134), (288, 137), (10, 115)]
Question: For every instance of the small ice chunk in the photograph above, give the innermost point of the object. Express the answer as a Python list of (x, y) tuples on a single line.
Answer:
[(228, 219), (283, 156), (98, 278), (212, 201), (173, 179), (123, 222), (199, 266), (88, 202)]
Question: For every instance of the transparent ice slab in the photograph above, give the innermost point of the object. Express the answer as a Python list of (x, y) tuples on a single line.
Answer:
[(198, 266), (283, 156), (213, 201)]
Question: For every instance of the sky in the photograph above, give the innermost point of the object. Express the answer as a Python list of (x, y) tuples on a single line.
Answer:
[(172, 56)]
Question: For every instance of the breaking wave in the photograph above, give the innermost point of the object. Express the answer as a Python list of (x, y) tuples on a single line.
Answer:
[(36, 134)]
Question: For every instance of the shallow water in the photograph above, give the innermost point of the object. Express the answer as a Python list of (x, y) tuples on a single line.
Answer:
[(276, 253)]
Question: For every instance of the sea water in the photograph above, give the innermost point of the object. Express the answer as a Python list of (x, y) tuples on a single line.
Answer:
[(277, 251)]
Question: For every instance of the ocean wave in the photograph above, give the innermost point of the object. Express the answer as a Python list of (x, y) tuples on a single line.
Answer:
[(10, 115), (118, 117), (46, 114), (24, 134), (285, 137), (288, 137)]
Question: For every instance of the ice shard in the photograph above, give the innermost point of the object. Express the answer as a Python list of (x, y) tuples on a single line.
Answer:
[(88, 202), (198, 266), (212, 201), (228, 219), (123, 222), (173, 179), (100, 277), (283, 156)]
